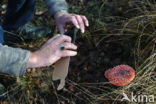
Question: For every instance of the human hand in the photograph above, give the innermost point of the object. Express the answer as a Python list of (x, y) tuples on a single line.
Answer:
[(50, 52), (63, 19)]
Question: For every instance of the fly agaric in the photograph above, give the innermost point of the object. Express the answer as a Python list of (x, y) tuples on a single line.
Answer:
[(120, 75)]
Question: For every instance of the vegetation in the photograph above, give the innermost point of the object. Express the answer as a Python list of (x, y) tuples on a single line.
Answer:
[(119, 33)]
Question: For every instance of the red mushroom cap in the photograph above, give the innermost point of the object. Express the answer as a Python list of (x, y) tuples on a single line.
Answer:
[(120, 75)]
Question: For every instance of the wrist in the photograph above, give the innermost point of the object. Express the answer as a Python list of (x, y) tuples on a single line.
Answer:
[(33, 60), (58, 14)]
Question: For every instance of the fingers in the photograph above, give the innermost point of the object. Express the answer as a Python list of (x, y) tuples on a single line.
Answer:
[(67, 53), (74, 21), (69, 49), (85, 20), (69, 46), (61, 28), (61, 39), (52, 39), (56, 38), (81, 23)]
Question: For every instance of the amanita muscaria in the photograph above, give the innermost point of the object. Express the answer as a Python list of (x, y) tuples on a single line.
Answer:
[(120, 75)]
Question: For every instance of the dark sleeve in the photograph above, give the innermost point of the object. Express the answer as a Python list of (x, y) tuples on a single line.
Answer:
[(13, 60), (1, 35), (56, 6)]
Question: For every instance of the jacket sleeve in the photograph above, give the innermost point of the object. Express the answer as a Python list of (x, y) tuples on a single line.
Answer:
[(13, 60), (56, 6), (1, 35)]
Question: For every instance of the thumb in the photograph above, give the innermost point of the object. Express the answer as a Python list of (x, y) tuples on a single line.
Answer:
[(61, 29)]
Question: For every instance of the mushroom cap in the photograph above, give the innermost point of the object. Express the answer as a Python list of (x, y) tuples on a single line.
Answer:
[(120, 75)]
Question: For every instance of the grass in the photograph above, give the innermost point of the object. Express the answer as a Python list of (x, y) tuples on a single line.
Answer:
[(129, 24)]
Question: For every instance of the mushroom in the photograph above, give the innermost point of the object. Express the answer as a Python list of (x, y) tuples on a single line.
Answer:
[(120, 75)]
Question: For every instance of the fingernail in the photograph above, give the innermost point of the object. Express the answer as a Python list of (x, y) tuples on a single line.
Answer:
[(75, 53), (77, 27), (87, 25), (82, 31)]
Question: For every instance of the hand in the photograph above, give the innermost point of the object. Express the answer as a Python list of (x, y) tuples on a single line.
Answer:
[(79, 21), (50, 52)]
